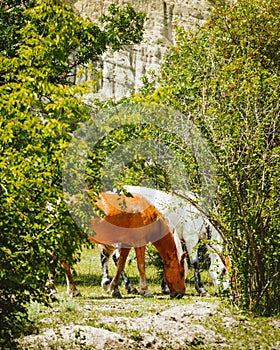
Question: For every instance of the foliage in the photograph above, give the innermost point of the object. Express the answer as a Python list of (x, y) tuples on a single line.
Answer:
[(138, 168), (42, 43), (226, 77)]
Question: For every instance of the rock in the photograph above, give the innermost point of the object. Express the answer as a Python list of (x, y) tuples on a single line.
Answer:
[(195, 310), (74, 337), (122, 71)]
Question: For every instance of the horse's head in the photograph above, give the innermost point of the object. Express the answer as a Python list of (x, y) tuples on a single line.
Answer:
[(174, 274), (174, 267)]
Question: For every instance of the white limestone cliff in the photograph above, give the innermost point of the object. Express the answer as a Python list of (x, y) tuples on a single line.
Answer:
[(122, 71)]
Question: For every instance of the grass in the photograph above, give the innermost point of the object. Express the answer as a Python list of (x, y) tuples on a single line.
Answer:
[(237, 329)]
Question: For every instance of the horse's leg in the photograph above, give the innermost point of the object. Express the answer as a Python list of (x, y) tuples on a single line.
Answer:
[(140, 255), (164, 286), (218, 271), (105, 253), (201, 290), (50, 284), (128, 286), (114, 285), (191, 241), (71, 287)]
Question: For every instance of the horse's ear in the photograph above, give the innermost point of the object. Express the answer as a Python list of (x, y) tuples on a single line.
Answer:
[(182, 259)]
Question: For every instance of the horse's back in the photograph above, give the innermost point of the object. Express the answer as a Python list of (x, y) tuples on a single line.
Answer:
[(130, 221)]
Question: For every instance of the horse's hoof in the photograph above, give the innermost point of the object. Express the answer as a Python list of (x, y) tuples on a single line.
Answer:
[(131, 290), (165, 291), (75, 293), (204, 293), (201, 291), (116, 294), (105, 285), (54, 296), (146, 294)]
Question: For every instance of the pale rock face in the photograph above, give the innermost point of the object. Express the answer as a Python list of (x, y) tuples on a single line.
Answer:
[(122, 71)]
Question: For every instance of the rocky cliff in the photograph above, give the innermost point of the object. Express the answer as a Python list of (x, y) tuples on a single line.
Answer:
[(122, 71)]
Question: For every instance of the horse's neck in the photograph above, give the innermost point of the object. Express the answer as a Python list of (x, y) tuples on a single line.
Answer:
[(167, 248)]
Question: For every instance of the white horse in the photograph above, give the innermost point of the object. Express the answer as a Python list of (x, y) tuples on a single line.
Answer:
[(189, 226)]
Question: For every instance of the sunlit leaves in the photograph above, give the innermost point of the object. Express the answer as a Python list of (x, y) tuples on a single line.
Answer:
[(123, 27)]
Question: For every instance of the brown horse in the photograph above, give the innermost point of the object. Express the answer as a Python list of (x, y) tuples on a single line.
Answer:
[(134, 222)]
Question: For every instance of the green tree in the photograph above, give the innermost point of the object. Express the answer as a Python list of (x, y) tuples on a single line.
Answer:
[(226, 77), (42, 42)]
